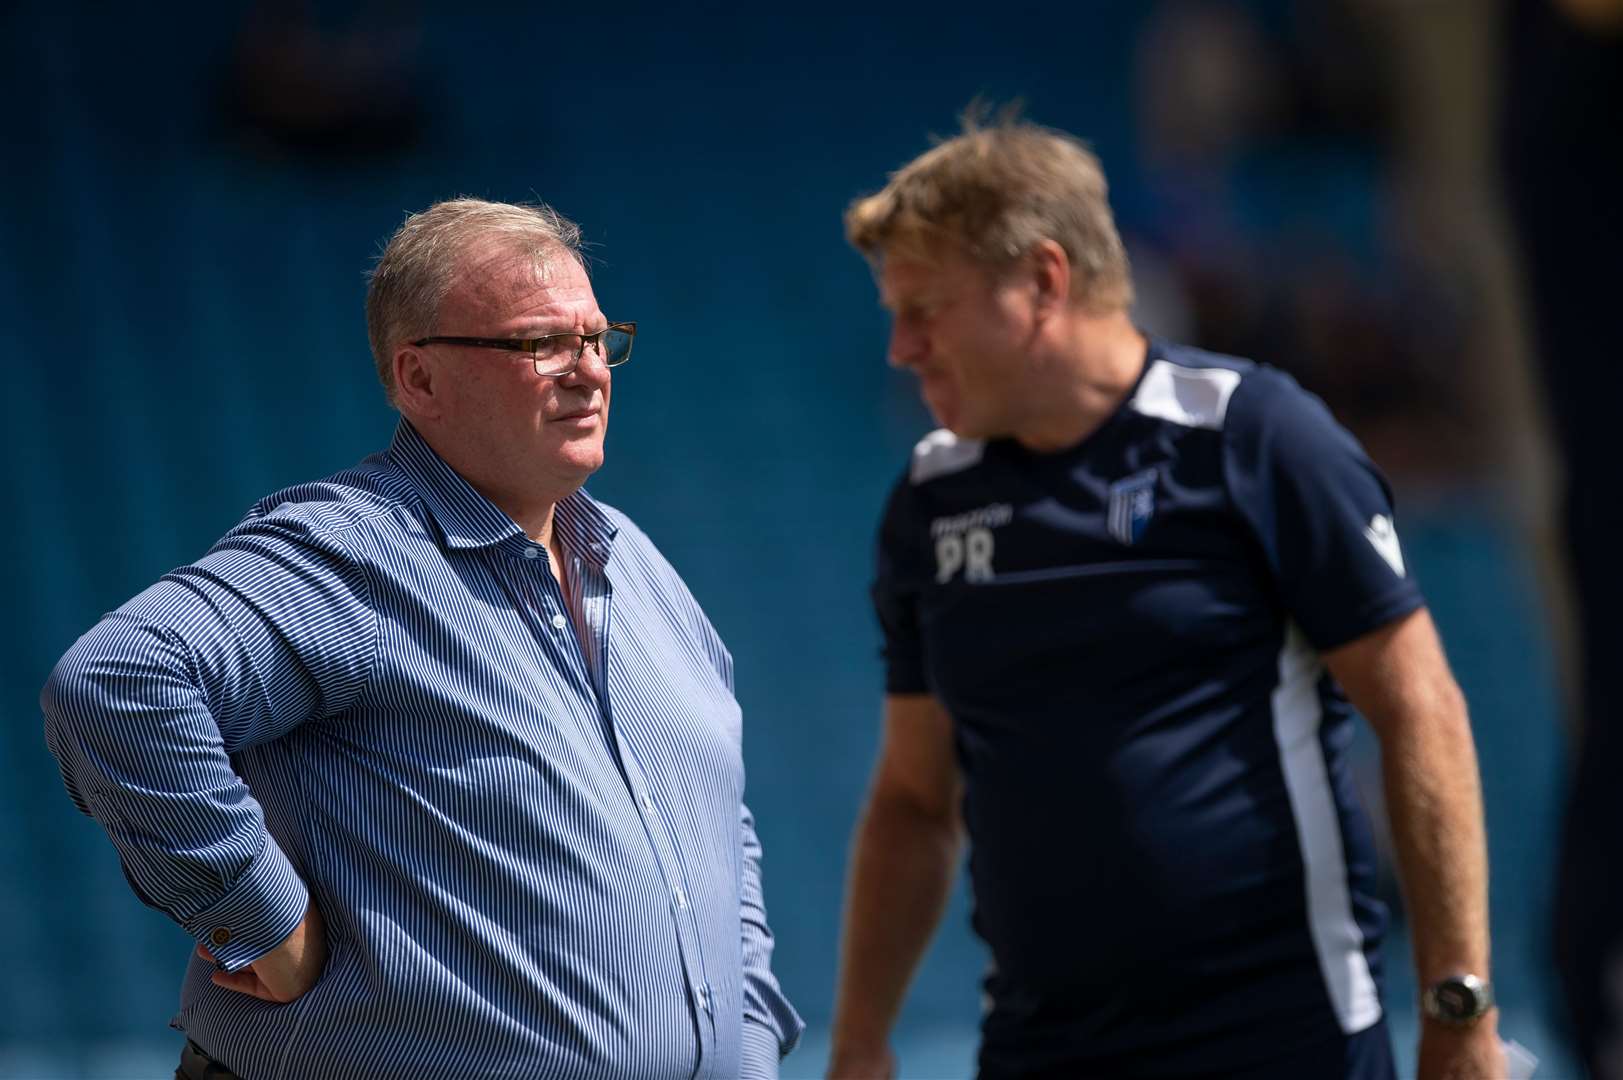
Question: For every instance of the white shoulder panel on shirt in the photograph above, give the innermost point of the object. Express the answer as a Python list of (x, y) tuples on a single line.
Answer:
[(1193, 397), (941, 453)]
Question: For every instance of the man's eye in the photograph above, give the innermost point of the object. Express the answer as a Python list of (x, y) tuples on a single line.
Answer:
[(558, 345)]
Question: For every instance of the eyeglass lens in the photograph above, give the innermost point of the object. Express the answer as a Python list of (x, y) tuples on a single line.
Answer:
[(560, 354)]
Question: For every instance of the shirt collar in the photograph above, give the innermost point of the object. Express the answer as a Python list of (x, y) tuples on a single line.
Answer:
[(467, 519), (584, 529)]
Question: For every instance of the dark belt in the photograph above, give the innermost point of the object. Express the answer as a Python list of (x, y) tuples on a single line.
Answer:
[(197, 1065)]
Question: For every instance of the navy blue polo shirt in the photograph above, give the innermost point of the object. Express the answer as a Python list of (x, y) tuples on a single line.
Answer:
[(1167, 855)]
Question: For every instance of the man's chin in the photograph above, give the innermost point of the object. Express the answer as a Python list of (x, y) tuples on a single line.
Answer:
[(581, 457), (954, 421), (944, 418), (961, 427), (586, 464)]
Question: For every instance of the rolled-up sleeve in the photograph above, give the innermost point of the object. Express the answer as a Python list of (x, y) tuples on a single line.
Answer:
[(274, 627)]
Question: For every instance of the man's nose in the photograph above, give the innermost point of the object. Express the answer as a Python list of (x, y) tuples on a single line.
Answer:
[(592, 369), (907, 347)]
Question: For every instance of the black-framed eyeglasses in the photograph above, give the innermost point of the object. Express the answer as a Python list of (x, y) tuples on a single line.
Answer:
[(556, 354)]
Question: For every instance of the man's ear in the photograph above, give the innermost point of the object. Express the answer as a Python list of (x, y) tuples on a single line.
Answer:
[(1052, 277), (416, 384)]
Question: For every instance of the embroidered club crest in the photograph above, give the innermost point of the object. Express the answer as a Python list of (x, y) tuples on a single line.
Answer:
[(1132, 504)]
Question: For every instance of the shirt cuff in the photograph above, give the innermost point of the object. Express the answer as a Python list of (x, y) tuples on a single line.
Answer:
[(265, 904), (758, 1052)]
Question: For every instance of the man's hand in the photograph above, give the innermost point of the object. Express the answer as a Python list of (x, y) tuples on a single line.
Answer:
[(875, 1064), (287, 971), (1472, 1052)]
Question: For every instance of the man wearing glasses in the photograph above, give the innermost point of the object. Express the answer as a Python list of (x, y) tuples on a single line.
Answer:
[(437, 758), (1121, 591)]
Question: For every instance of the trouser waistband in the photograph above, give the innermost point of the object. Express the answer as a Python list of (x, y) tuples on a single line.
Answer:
[(195, 1064)]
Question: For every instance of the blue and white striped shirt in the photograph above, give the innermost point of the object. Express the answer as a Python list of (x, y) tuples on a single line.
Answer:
[(518, 808)]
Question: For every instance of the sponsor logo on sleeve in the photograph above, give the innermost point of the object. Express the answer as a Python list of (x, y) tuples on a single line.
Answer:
[(1384, 539)]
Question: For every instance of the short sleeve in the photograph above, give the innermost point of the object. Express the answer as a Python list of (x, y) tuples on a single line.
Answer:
[(896, 591), (1320, 509)]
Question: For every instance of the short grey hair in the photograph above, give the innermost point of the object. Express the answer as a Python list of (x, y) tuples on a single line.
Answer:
[(422, 259)]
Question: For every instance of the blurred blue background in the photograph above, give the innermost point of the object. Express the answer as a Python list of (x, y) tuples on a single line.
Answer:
[(190, 201)]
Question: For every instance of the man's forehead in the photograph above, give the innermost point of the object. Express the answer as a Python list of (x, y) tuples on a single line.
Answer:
[(908, 271), (497, 264), (502, 276)]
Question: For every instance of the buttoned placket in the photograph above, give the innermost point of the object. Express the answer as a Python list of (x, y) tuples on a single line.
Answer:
[(592, 665)]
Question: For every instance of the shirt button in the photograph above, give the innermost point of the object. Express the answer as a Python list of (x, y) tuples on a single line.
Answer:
[(647, 802), (559, 622), (532, 553), (681, 898), (220, 936), (704, 998)]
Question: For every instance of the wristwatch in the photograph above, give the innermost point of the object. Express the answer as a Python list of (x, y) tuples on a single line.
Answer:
[(1458, 999)]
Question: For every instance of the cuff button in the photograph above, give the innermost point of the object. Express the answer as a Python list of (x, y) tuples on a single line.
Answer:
[(220, 936)]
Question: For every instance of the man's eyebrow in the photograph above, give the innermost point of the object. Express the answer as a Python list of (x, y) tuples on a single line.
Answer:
[(916, 302), (559, 330)]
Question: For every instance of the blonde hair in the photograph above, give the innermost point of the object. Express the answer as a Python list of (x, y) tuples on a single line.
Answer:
[(424, 256), (994, 191)]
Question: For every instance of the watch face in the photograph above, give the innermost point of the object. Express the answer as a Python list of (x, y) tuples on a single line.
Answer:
[(1460, 998), (1455, 999)]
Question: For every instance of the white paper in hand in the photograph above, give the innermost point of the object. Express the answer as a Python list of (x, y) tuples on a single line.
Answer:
[(1519, 1060)]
